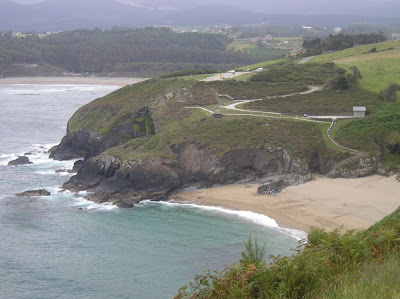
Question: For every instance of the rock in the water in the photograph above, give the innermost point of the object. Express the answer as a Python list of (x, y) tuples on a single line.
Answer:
[(60, 170), (21, 160), (29, 193), (123, 204)]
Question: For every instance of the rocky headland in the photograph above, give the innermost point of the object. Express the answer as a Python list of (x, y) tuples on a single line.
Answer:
[(137, 149)]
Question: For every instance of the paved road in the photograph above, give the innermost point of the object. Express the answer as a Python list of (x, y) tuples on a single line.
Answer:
[(221, 76)]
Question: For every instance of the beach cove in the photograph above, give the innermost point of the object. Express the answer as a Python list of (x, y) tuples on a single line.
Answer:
[(323, 202)]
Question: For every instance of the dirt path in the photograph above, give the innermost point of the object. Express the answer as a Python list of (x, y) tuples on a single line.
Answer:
[(270, 114)]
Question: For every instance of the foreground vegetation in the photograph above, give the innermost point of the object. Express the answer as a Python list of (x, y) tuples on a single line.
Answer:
[(356, 264)]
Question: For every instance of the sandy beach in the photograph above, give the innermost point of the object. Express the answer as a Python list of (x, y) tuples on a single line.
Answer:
[(72, 80), (322, 202)]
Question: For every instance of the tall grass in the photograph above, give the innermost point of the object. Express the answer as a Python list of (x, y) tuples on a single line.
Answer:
[(330, 265), (376, 279)]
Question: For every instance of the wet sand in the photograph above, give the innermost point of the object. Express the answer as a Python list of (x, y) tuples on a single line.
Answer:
[(72, 80), (325, 203)]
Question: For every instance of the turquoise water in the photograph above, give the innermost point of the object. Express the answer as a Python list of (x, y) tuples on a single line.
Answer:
[(50, 248)]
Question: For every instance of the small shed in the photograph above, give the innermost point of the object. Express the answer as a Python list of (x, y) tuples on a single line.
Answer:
[(218, 115), (359, 111)]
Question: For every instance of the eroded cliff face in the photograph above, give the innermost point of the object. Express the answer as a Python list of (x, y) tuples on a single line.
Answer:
[(126, 183), (361, 167), (89, 143)]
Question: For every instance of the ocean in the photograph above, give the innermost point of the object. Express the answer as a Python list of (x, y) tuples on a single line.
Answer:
[(50, 248)]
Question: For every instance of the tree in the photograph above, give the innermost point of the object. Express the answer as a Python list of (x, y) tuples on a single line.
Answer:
[(353, 79), (389, 94)]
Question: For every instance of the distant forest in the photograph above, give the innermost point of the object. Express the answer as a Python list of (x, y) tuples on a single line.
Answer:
[(146, 51), (341, 41)]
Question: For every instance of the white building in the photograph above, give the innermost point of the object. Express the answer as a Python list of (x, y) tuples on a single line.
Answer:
[(359, 111)]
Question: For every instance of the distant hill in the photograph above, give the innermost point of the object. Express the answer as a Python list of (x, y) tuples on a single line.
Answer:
[(61, 15)]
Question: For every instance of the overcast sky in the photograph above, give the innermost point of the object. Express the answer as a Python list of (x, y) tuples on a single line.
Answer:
[(348, 7)]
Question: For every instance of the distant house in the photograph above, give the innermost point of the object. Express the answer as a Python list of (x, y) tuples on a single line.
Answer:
[(268, 37), (297, 52), (359, 111)]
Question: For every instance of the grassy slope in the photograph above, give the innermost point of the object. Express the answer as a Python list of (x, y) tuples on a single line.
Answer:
[(181, 125), (101, 114), (378, 69), (379, 130), (318, 103), (168, 99), (262, 64)]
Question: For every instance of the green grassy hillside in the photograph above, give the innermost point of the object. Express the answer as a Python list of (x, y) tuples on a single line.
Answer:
[(378, 69), (323, 102), (171, 99)]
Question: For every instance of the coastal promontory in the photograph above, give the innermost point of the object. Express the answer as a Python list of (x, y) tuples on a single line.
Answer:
[(153, 138)]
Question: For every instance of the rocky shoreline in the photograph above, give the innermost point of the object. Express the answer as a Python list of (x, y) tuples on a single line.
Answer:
[(126, 183)]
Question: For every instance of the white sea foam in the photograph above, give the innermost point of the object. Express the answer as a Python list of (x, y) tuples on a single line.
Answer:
[(85, 204), (5, 158), (256, 218), (26, 89)]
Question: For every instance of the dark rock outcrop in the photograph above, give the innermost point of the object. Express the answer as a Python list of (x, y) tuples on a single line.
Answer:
[(273, 186), (362, 168), (89, 143), (127, 183), (278, 183), (21, 160), (94, 171), (29, 193), (77, 165)]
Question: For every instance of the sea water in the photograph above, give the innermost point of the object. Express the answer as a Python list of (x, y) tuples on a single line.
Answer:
[(50, 248)]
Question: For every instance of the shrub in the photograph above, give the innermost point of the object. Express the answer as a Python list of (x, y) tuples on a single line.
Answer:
[(389, 94)]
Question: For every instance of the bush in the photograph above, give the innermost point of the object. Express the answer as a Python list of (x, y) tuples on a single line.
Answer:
[(253, 254), (389, 94), (343, 80)]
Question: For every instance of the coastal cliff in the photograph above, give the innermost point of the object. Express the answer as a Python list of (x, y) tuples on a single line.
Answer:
[(143, 142), (126, 183)]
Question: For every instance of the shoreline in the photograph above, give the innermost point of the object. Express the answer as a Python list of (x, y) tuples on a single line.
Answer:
[(72, 80), (350, 204)]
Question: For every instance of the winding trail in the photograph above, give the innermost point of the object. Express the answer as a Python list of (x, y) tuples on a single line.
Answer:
[(233, 105), (270, 114), (305, 59)]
